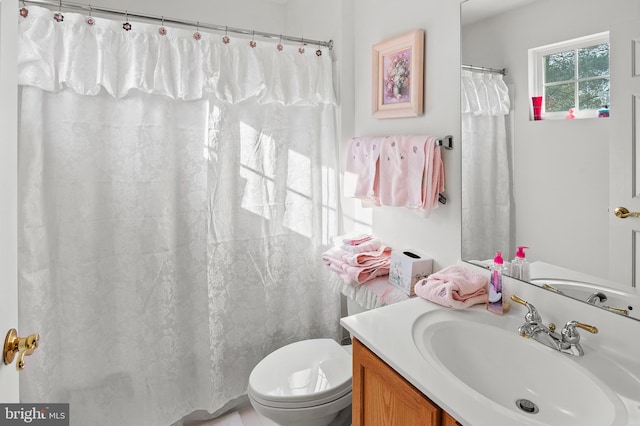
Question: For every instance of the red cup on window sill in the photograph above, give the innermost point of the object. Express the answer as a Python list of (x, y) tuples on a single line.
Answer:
[(537, 107)]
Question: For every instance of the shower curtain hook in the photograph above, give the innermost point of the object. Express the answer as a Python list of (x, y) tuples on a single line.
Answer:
[(126, 26), (24, 12), (58, 16), (90, 20), (252, 43), (280, 46), (162, 29), (197, 34), (319, 51), (301, 48), (226, 39)]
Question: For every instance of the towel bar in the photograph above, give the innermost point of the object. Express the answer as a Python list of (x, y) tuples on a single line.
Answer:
[(448, 140)]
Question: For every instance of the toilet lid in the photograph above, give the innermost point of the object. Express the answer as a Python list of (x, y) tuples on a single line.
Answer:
[(312, 371)]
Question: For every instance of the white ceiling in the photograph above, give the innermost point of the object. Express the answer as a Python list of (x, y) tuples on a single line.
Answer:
[(477, 10)]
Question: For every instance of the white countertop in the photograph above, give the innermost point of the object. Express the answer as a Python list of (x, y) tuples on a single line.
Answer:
[(388, 332)]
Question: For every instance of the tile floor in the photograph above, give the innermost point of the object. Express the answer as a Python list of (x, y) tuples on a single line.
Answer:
[(248, 417), (245, 417)]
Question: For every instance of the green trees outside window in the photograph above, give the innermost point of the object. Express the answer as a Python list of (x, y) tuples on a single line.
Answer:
[(577, 78)]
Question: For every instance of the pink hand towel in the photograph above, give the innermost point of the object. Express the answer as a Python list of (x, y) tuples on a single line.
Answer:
[(455, 287), (361, 168), (381, 256), (357, 276), (402, 168), (358, 268), (356, 239), (433, 178), (371, 245)]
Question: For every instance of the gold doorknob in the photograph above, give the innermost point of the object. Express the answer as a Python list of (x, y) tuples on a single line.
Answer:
[(623, 213), (22, 346)]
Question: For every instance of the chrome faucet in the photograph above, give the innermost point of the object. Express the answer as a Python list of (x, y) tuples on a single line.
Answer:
[(567, 341), (598, 298)]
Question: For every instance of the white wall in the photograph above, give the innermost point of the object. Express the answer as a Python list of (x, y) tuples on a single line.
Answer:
[(377, 20), (265, 15), (561, 169)]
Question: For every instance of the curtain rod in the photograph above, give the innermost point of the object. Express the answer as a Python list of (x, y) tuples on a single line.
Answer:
[(222, 28), (502, 71)]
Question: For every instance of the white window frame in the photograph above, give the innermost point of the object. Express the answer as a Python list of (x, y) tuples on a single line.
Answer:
[(536, 71)]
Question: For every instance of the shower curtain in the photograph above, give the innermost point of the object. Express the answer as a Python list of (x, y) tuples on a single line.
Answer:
[(486, 177), (175, 196)]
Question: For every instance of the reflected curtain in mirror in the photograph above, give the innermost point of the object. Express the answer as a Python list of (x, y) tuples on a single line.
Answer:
[(486, 183)]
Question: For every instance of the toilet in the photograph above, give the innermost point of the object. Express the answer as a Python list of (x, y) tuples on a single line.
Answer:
[(305, 383)]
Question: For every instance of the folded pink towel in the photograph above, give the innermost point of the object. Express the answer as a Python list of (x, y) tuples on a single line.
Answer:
[(455, 287), (355, 275), (358, 267), (381, 256), (357, 241), (371, 245)]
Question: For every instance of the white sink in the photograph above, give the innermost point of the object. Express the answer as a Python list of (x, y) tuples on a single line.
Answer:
[(485, 354), (582, 290)]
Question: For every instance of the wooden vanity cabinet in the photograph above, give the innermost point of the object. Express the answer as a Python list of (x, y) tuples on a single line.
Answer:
[(381, 397)]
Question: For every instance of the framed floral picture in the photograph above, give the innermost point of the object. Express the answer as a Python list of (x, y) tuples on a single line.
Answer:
[(398, 76)]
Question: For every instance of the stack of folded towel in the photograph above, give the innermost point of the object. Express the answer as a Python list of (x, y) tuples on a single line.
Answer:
[(358, 258), (455, 287)]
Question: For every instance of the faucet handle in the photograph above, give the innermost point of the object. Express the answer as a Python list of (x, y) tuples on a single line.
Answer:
[(532, 316), (617, 310), (519, 300), (570, 334), (590, 328)]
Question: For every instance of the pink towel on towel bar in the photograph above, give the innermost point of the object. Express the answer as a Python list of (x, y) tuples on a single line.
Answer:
[(361, 168), (411, 173), (455, 287), (433, 183), (402, 166)]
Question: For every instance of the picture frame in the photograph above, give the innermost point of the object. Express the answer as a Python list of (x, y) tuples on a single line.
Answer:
[(398, 76)]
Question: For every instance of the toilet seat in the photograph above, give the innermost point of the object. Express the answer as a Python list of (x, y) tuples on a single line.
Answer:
[(303, 374)]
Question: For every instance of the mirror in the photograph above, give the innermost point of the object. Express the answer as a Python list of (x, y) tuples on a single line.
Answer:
[(557, 171)]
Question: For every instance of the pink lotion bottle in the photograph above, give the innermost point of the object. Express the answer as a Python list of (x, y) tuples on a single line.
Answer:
[(496, 303)]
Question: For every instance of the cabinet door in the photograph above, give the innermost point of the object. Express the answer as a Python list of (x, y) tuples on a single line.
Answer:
[(447, 420), (381, 397)]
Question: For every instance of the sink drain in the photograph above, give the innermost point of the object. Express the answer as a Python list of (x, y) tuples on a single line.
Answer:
[(527, 406)]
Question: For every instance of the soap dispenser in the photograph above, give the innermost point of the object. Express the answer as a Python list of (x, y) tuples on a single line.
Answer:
[(495, 300), (520, 265)]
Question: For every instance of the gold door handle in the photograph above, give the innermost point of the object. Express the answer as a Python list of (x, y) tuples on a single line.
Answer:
[(623, 213), (23, 346)]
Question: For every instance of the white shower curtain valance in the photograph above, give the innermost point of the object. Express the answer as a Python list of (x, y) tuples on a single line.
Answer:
[(88, 58), (484, 94)]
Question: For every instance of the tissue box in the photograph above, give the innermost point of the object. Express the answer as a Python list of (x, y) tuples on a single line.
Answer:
[(407, 268)]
